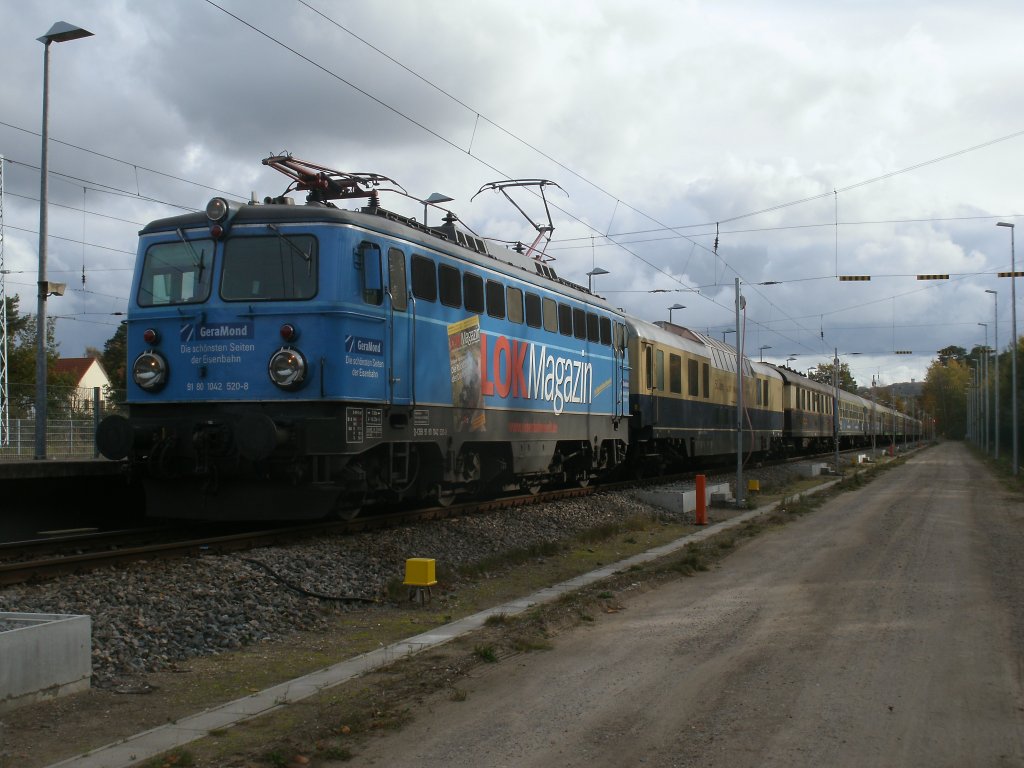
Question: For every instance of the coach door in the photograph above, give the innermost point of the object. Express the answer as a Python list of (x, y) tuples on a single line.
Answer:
[(400, 357)]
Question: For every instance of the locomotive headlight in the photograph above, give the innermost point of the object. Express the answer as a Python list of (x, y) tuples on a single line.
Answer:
[(149, 371), (217, 209), (287, 368)]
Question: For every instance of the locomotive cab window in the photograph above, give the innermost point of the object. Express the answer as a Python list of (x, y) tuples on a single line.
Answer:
[(606, 331), (280, 268), (176, 273)]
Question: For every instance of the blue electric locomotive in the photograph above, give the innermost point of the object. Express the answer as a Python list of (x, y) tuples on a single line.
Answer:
[(293, 361)]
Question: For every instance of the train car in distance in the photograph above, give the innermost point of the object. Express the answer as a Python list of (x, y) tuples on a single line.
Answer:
[(300, 361), (683, 398)]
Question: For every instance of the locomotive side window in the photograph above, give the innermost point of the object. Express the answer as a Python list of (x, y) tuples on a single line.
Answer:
[(534, 318), (579, 323), (495, 299), (593, 334), (176, 273), (279, 268), (424, 278), (565, 319), (675, 374), (692, 368), (606, 331), (450, 284), (396, 280), (550, 315), (473, 292), (514, 302)]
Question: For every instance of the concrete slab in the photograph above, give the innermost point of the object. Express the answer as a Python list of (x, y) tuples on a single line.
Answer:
[(44, 655)]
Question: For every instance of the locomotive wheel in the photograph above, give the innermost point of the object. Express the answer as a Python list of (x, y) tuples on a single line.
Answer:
[(533, 489)]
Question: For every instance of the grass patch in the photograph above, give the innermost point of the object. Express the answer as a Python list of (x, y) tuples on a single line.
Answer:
[(486, 653)]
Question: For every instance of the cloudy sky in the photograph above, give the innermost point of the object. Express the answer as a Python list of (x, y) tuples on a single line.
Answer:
[(816, 138)]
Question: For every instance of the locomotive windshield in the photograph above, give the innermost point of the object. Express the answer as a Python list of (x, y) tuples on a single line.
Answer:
[(276, 268), (176, 273)]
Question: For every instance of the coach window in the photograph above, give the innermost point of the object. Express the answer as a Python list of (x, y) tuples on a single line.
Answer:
[(707, 380), (675, 374), (565, 319), (593, 331), (534, 318), (579, 323), (473, 292), (396, 280), (424, 278), (659, 369), (495, 299), (765, 398), (757, 386), (648, 367), (606, 331), (550, 315), (514, 304), (692, 368), (450, 284)]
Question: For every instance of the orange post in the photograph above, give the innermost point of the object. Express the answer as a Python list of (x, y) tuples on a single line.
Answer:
[(701, 515)]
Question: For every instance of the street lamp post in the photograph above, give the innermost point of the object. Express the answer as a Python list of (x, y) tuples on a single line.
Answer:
[(59, 33), (995, 343), (972, 401), (727, 330), (674, 306), (984, 385), (590, 277), (1013, 341), (762, 349)]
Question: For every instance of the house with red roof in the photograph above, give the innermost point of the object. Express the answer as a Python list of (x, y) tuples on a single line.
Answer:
[(87, 373)]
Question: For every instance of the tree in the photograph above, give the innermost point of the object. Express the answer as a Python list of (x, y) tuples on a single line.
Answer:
[(950, 353), (823, 375), (944, 396), (115, 362), (21, 364)]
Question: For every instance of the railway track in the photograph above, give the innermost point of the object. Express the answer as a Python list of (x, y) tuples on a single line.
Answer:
[(42, 559), (49, 558)]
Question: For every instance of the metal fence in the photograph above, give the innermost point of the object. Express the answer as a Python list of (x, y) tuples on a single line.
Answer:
[(69, 435)]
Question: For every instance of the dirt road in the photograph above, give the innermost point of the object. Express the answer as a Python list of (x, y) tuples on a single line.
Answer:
[(884, 629)]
